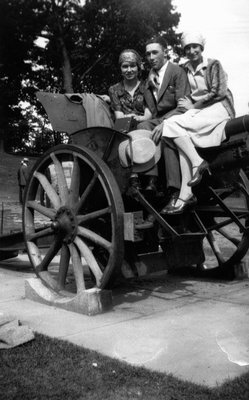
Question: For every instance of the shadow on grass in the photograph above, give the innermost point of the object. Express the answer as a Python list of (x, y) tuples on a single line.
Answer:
[(52, 369)]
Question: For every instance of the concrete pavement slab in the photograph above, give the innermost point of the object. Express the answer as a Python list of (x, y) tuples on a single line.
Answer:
[(195, 329)]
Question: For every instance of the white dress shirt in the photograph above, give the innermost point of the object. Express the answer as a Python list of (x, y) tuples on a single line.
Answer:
[(160, 77)]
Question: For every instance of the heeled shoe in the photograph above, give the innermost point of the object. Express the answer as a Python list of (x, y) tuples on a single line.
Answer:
[(171, 203), (186, 205), (204, 166)]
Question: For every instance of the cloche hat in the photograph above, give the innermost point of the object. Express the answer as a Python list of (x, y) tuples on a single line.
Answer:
[(130, 55), (139, 151), (192, 37)]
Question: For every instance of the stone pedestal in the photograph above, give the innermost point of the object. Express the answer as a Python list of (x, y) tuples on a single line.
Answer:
[(241, 270), (12, 333), (89, 302)]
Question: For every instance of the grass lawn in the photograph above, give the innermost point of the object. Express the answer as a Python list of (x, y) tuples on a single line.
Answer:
[(53, 369)]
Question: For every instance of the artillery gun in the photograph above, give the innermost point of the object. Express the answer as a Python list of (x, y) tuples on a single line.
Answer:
[(78, 209)]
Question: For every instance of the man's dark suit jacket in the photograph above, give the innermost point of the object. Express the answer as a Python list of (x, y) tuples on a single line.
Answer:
[(174, 86)]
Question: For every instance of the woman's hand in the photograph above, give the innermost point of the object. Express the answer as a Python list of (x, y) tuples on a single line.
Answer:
[(130, 115), (105, 97), (157, 133), (185, 104), (140, 118)]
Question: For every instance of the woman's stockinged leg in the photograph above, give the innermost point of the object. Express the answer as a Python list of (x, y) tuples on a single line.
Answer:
[(186, 173), (186, 199), (196, 166), (189, 158), (199, 166), (173, 128), (185, 144)]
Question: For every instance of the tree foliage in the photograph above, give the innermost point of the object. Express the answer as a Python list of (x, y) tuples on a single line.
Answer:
[(19, 25), (108, 27), (84, 42)]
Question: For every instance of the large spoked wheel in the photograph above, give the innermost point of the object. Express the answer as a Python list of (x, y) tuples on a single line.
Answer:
[(73, 221), (226, 219)]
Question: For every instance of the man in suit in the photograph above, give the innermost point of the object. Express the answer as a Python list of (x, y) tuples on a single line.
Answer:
[(22, 176), (167, 83)]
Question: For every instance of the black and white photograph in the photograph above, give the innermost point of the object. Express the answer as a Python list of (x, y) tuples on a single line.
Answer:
[(124, 199)]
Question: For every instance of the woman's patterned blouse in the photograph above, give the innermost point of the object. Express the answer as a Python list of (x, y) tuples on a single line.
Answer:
[(121, 100)]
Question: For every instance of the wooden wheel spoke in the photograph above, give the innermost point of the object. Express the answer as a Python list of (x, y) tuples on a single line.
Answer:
[(75, 183), (73, 219), (48, 212), (225, 218), (49, 190), (50, 254), (34, 251), (87, 191), (229, 237), (62, 183), (40, 233), (93, 215), (63, 266), (229, 212), (77, 268), (94, 238), (87, 254), (215, 247)]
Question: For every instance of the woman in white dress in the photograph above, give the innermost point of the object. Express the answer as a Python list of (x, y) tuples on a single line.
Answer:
[(208, 108)]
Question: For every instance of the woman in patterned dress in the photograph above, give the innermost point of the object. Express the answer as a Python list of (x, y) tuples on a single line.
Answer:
[(127, 96)]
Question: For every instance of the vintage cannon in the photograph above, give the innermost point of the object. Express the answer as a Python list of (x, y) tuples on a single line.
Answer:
[(77, 209)]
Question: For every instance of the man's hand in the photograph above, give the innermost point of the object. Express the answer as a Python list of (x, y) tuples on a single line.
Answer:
[(157, 133), (185, 104)]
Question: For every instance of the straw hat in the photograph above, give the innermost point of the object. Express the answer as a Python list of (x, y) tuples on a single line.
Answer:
[(139, 152)]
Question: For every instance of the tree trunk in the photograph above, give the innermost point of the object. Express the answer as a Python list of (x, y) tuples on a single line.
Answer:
[(66, 68), (1, 141), (66, 64), (1, 146)]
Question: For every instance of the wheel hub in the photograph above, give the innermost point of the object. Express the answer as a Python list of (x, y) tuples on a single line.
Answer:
[(65, 224)]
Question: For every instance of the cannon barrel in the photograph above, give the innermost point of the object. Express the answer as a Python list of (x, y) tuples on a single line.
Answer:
[(233, 153), (237, 125)]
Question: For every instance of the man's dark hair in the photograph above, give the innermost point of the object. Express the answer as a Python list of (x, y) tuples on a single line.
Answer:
[(157, 39)]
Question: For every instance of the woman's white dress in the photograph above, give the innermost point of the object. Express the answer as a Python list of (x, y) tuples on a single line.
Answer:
[(204, 126)]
